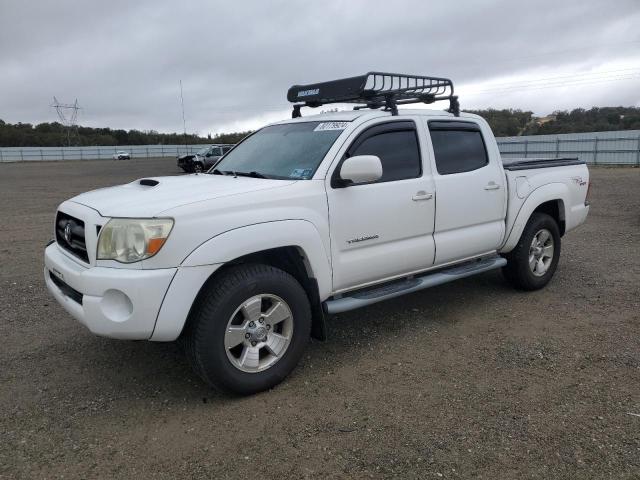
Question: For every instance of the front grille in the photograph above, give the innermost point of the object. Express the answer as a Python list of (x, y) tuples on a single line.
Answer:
[(74, 242), (72, 293)]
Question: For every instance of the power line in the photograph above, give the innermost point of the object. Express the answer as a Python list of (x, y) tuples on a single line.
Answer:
[(584, 78), (517, 59), (571, 76), (557, 84)]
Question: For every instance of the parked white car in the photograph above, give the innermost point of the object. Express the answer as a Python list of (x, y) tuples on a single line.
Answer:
[(122, 155), (306, 217)]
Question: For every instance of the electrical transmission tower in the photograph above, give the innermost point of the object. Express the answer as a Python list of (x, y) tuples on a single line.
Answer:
[(68, 115)]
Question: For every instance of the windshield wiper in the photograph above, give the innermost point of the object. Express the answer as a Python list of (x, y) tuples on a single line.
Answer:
[(215, 171), (251, 174)]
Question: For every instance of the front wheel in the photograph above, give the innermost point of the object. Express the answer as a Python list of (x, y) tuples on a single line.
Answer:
[(248, 329), (198, 168), (533, 261)]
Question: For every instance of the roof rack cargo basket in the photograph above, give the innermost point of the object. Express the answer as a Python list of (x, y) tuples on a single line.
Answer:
[(375, 90)]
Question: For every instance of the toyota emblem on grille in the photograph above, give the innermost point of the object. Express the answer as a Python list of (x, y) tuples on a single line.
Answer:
[(67, 232)]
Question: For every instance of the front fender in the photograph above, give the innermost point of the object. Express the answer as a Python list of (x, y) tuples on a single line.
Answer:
[(545, 193), (236, 243)]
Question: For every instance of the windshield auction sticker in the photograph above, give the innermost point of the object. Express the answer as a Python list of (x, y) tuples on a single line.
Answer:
[(331, 126), (303, 173)]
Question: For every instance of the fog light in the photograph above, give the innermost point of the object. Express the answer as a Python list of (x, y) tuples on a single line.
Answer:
[(116, 306)]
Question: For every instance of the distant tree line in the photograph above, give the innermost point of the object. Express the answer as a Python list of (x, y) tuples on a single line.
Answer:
[(55, 135), (233, 137), (504, 123), (592, 120)]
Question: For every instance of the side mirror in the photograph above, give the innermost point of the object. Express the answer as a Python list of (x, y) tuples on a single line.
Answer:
[(361, 169)]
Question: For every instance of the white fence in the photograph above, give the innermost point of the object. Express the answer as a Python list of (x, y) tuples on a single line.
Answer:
[(599, 148), (43, 154), (596, 148)]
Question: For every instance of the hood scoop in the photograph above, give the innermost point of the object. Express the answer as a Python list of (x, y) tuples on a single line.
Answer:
[(148, 182)]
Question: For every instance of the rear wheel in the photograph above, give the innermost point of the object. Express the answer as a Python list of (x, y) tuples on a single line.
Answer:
[(533, 261), (248, 329)]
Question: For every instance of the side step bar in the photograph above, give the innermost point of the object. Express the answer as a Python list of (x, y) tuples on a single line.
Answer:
[(397, 288)]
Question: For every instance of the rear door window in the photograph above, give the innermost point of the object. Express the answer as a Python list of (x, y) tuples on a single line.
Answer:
[(458, 147)]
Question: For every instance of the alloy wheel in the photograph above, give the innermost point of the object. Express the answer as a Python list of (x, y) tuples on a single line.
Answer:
[(541, 252), (258, 333)]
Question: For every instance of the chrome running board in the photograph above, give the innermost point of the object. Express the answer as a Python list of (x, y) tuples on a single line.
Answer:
[(364, 297)]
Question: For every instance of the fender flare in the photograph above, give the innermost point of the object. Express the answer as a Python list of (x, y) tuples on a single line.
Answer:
[(545, 193), (302, 234)]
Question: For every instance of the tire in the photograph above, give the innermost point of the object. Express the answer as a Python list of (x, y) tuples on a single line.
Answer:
[(198, 167), (531, 264), (248, 368)]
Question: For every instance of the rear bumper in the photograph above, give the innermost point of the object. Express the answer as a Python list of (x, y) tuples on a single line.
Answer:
[(577, 217), (111, 302)]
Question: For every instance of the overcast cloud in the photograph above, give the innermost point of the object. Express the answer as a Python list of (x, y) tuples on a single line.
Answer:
[(123, 60)]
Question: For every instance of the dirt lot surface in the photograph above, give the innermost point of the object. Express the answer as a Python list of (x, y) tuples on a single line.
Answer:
[(467, 380)]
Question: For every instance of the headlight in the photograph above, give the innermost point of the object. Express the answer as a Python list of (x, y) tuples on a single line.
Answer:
[(129, 240)]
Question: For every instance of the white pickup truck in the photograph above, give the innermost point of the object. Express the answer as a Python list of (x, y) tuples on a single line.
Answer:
[(306, 217)]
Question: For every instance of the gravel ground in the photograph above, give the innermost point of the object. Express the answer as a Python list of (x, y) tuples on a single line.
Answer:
[(466, 380)]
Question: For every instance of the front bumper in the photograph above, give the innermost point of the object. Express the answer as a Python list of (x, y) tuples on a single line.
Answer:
[(111, 302), (185, 163)]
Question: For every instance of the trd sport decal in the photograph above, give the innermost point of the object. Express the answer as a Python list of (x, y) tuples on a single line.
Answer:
[(579, 181), (362, 239)]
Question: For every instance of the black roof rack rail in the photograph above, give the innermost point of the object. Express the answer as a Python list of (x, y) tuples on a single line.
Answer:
[(375, 90)]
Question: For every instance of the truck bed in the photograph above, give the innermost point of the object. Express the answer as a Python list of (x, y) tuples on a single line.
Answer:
[(531, 163)]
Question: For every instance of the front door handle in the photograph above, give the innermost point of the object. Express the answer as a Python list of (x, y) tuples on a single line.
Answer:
[(492, 186), (422, 195)]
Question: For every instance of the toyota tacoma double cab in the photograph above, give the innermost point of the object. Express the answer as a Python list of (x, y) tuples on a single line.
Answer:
[(308, 217)]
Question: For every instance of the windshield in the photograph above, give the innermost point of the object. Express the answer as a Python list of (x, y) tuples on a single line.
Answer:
[(287, 151), (203, 151)]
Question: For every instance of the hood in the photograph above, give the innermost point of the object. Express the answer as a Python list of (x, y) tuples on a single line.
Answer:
[(151, 196)]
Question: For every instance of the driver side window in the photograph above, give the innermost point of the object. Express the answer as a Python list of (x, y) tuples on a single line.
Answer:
[(396, 144)]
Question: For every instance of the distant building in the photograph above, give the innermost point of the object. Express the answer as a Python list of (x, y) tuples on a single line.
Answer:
[(542, 120)]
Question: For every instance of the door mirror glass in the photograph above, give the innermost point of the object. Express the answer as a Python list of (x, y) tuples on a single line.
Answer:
[(361, 169)]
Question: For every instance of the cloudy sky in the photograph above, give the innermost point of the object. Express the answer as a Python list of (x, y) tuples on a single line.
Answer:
[(124, 60)]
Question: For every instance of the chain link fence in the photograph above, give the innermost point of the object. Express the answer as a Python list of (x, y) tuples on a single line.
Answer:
[(596, 148), (43, 154)]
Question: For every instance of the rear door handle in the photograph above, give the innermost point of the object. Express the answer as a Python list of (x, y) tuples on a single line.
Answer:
[(492, 186), (422, 195)]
